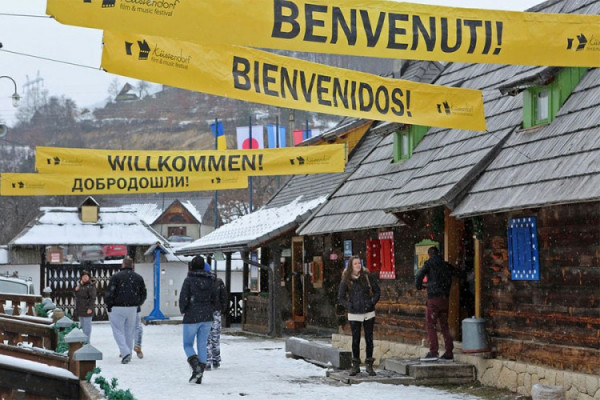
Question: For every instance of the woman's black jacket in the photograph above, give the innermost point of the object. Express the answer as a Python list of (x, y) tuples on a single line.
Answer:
[(361, 296), (198, 297)]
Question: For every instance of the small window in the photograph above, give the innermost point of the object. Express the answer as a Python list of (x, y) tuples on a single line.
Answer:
[(541, 106), (406, 140), (404, 145), (523, 257)]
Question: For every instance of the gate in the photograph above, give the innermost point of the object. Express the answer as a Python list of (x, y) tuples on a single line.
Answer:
[(63, 278)]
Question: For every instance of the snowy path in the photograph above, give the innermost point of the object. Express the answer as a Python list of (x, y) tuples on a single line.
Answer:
[(253, 368)]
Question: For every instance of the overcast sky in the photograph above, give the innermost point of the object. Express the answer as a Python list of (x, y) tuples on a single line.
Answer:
[(36, 35)]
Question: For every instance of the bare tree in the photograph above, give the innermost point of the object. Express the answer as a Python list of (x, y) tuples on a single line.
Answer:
[(114, 88), (142, 89)]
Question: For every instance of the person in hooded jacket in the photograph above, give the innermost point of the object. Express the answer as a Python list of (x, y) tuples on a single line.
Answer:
[(359, 293), (197, 301), (85, 302)]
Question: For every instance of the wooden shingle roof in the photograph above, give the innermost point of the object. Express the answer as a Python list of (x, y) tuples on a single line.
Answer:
[(447, 162)]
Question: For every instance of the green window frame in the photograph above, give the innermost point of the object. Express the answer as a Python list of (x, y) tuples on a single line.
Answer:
[(406, 139), (541, 103)]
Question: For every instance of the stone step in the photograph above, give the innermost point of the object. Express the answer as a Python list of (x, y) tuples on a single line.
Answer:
[(383, 376), (437, 370), (318, 353)]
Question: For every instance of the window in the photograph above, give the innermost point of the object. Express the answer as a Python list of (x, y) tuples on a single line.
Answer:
[(523, 258), (406, 139), (541, 103), (541, 106)]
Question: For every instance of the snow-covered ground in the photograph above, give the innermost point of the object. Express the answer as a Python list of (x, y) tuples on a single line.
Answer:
[(252, 367)]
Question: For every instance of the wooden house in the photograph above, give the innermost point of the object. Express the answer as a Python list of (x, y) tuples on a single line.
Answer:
[(516, 207), (270, 231), (183, 215)]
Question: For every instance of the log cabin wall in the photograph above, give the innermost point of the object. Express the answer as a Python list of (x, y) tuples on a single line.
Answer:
[(554, 321), (401, 309)]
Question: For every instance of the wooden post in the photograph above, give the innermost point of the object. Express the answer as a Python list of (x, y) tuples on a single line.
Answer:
[(477, 267), (453, 232)]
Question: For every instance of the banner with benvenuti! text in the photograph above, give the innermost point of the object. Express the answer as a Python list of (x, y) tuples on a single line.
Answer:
[(211, 163), (262, 77), (375, 28), (22, 184)]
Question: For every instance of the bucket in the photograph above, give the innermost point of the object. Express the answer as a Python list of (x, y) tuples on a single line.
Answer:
[(474, 336)]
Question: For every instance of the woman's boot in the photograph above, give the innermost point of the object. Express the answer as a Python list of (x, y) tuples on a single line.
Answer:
[(370, 370), (197, 369), (355, 368)]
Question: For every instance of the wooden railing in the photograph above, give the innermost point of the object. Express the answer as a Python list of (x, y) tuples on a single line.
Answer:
[(38, 333), (18, 380), (16, 300)]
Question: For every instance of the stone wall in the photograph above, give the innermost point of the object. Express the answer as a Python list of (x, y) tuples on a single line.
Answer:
[(504, 374)]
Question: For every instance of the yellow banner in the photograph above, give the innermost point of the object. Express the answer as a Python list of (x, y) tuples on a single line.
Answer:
[(262, 77), (211, 163), (83, 183), (376, 28)]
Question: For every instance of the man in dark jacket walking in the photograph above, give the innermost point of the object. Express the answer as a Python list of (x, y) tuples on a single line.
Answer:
[(125, 293), (213, 349), (439, 279), (197, 301)]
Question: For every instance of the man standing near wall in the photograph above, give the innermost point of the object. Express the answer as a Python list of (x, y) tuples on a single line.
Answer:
[(125, 293), (439, 279)]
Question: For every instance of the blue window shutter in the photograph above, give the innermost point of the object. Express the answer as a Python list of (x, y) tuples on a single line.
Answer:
[(523, 257)]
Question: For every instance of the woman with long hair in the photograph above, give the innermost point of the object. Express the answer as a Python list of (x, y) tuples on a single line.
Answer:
[(359, 293)]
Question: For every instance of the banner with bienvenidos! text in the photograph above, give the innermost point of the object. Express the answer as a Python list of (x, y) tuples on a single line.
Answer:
[(18, 184), (262, 77), (209, 163), (375, 28)]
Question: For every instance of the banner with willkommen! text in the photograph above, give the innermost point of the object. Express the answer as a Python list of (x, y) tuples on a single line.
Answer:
[(211, 163)]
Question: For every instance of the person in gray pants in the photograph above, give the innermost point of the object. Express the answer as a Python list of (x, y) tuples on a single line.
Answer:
[(125, 293)]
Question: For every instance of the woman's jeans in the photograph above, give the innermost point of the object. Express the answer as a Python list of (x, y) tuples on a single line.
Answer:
[(368, 325), (198, 332), (86, 326)]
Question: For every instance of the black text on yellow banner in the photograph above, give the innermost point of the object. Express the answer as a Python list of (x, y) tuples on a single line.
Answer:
[(260, 162), (376, 28), (61, 184), (262, 77)]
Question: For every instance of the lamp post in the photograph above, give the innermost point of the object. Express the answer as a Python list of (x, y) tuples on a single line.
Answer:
[(15, 101), (15, 96)]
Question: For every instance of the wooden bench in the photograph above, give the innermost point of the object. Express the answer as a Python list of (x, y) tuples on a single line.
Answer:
[(318, 353)]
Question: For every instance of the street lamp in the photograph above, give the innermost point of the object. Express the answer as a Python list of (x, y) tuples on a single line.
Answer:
[(15, 97)]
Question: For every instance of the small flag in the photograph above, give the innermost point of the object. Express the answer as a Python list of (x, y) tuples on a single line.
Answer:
[(298, 136), (218, 131), (243, 137), (272, 136)]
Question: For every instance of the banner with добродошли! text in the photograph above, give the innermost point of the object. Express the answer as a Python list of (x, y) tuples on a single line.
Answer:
[(372, 28), (266, 78), (260, 162), (41, 184)]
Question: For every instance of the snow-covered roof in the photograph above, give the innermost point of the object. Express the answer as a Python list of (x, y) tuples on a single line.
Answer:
[(251, 230), (62, 226), (147, 212), (192, 209)]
